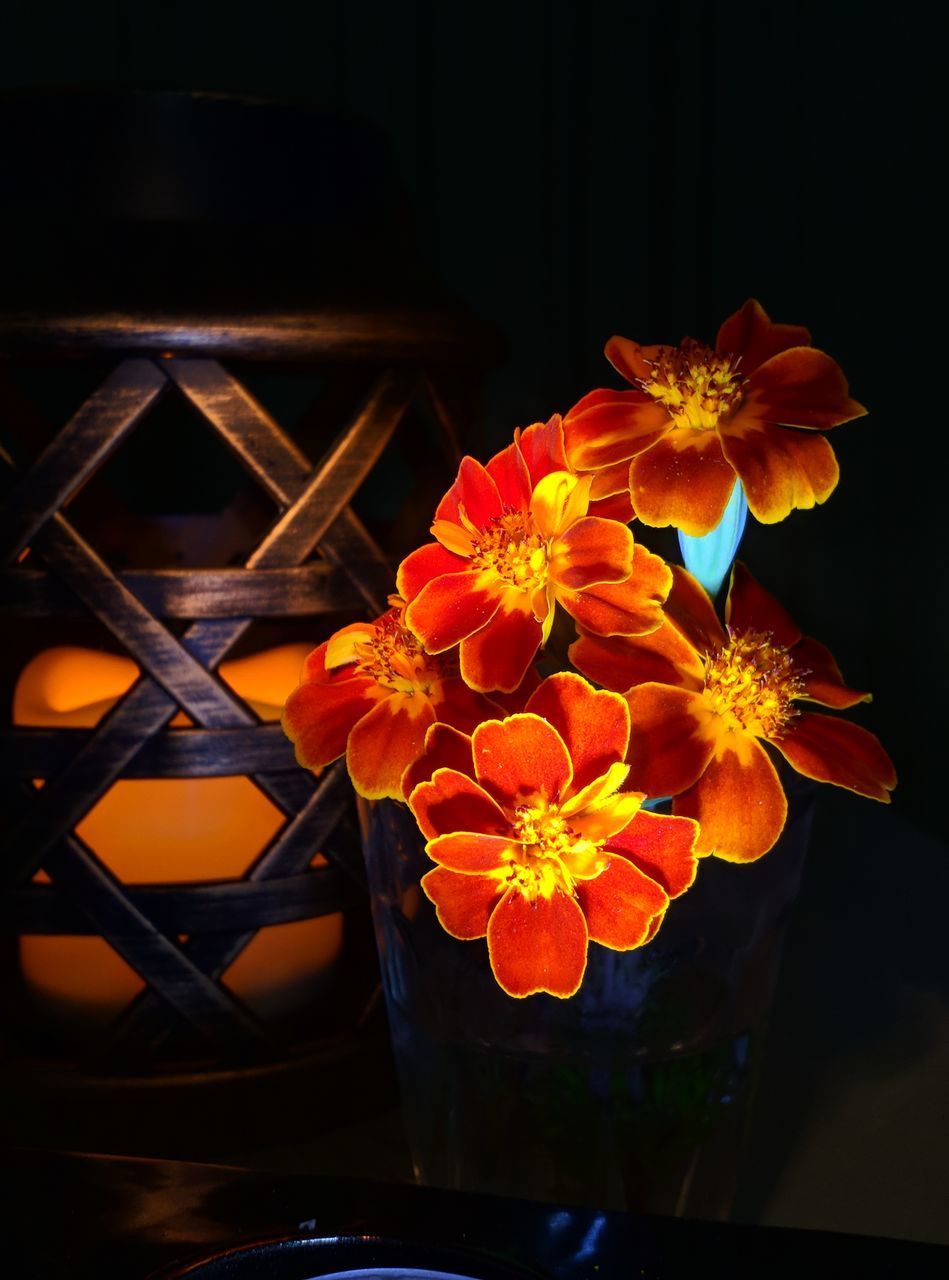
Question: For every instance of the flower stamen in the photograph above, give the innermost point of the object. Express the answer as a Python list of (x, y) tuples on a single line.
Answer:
[(751, 682), (695, 384), (551, 854), (513, 549)]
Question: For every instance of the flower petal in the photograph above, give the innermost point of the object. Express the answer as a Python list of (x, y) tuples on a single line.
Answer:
[(470, 852), (618, 506), (607, 427), (451, 607), (385, 742), (627, 608), (558, 500), (509, 472), (499, 654), (660, 846), (840, 752), (445, 748), (750, 608), (630, 360), (593, 724), (339, 650), (520, 759), (460, 706), (318, 718), (538, 946), (620, 662), (474, 492), (424, 564), (602, 820), (800, 387), (542, 446), (683, 480), (451, 801), (591, 551), (620, 905), (750, 333), (821, 676), (463, 904), (672, 738), (738, 802), (781, 470), (691, 610)]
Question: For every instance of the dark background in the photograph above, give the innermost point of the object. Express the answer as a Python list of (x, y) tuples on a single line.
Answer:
[(578, 170)]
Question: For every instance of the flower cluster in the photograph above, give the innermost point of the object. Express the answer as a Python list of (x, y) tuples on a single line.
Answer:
[(530, 792)]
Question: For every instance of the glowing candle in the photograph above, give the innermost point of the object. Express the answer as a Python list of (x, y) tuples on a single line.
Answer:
[(165, 830)]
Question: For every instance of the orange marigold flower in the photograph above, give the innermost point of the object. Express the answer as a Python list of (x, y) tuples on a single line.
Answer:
[(538, 849), (752, 407), (513, 538), (703, 699), (372, 691)]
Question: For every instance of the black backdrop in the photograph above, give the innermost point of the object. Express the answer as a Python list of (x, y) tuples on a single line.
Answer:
[(576, 170)]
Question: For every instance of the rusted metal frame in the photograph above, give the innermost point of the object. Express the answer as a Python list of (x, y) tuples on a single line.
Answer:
[(304, 591), (43, 910), (175, 753), (173, 978), (146, 708), (79, 449), (276, 462), (146, 1023)]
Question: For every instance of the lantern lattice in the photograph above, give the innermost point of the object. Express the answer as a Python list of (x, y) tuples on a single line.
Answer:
[(178, 624)]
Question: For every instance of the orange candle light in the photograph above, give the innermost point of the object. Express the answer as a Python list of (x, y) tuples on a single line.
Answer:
[(166, 830)]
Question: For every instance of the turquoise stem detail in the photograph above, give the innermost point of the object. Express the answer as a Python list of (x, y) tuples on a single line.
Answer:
[(710, 557)]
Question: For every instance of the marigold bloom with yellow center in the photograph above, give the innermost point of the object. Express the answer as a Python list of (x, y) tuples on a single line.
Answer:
[(538, 848), (372, 691), (752, 409), (702, 699), (514, 538)]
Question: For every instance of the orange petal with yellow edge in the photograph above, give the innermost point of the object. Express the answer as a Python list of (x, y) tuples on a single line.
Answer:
[(539, 945), (591, 551), (520, 759), (751, 334), (318, 718), (509, 472), (620, 905), (423, 565), (672, 738), (630, 360), (451, 801), (593, 723), (684, 480), (738, 802), (801, 387), (618, 506), (607, 427), (662, 847), (627, 608), (470, 852), (750, 608), (474, 491), (620, 662), (691, 611), (781, 470), (610, 481), (385, 742), (821, 677), (463, 904), (445, 748), (542, 446), (449, 608), (839, 752), (498, 656)]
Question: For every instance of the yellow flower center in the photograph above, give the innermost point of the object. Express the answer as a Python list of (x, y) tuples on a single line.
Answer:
[(513, 549), (394, 658), (552, 854), (696, 385), (751, 682)]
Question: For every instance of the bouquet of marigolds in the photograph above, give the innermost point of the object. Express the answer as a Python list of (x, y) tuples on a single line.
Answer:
[(536, 794)]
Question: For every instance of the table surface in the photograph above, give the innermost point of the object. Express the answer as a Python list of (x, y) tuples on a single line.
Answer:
[(76, 1216)]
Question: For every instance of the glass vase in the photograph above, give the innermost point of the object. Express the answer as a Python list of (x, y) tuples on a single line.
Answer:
[(631, 1095)]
